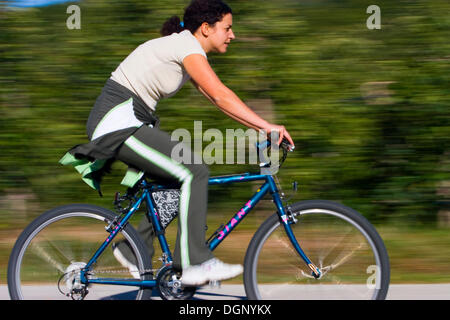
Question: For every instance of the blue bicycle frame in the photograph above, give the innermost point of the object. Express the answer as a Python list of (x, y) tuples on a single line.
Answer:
[(269, 185)]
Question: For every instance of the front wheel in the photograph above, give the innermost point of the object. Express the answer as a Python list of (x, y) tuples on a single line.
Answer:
[(47, 258), (347, 249)]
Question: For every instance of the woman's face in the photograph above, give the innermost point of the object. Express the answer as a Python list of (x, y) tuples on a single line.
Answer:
[(221, 34)]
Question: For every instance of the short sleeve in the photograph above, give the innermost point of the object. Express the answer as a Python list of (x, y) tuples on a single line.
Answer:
[(187, 45)]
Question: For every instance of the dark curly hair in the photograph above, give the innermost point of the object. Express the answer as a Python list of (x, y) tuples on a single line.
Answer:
[(195, 14)]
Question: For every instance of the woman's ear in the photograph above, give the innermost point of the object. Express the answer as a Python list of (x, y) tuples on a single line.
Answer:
[(205, 29)]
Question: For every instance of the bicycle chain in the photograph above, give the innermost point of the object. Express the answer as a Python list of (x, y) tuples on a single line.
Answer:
[(121, 271), (162, 259)]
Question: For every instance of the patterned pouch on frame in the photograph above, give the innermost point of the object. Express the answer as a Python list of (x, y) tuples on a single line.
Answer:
[(167, 205)]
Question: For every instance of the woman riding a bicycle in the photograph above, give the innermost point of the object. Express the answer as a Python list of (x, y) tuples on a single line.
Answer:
[(122, 125)]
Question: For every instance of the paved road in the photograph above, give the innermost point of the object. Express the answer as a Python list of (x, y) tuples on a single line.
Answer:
[(236, 292)]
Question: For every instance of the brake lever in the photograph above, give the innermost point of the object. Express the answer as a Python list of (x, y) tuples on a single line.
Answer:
[(286, 145)]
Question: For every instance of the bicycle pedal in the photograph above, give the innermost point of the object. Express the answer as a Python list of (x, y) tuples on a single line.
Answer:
[(215, 284)]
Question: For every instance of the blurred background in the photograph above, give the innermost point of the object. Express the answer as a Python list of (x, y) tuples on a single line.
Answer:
[(369, 111)]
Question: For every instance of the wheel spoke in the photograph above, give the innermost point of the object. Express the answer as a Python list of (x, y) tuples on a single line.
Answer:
[(42, 253), (327, 250), (344, 258)]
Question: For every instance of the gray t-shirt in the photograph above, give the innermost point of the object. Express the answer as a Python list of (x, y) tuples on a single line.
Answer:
[(154, 70)]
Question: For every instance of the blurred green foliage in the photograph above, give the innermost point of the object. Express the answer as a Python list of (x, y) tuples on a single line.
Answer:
[(368, 109)]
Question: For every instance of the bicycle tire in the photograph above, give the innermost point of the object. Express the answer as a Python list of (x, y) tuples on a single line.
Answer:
[(266, 253), (48, 225)]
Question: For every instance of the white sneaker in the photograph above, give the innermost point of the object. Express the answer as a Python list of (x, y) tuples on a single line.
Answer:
[(211, 270), (125, 263)]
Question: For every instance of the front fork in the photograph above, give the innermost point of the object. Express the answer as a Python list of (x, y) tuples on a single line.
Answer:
[(287, 220)]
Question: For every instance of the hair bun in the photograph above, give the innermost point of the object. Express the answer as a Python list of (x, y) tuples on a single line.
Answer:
[(172, 25)]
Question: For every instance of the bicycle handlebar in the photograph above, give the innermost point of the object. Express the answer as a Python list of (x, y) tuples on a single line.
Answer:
[(284, 145)]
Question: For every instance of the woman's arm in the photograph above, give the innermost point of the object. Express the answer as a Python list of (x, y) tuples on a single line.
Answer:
[(224, 111), (207, 82)]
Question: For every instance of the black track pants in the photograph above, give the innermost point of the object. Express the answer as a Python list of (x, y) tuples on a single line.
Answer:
[(149, 150)]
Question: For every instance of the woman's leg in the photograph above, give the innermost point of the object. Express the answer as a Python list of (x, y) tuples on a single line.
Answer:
[(149, 149), (147, 234)]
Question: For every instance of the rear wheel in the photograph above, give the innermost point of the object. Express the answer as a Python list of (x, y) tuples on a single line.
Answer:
[(47, 258), (343, 244)]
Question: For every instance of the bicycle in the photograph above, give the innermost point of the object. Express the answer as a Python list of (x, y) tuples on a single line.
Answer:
[(312, 249)]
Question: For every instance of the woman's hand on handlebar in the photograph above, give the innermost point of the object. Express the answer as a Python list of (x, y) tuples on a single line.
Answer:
[(282, 134)]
